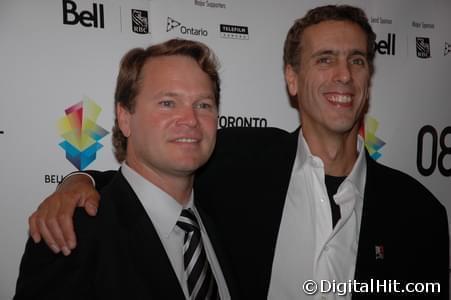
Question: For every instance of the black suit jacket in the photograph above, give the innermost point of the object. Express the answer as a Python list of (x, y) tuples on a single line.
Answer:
[(119, 256), (249, 176), (243, 188)]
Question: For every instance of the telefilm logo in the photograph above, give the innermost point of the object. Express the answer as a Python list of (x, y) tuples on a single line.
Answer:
[(233, 121), (447, 49), (140, 21), (423, 47), (86, 18), (172, 24), (234, 32), (387, 46)]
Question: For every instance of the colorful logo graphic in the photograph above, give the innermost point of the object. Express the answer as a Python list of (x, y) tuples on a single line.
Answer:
[(81, 133), (372, 142)]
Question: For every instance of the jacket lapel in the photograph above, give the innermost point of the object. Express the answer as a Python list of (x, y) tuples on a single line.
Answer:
[(280, 161), (147, 254), (370, 255)]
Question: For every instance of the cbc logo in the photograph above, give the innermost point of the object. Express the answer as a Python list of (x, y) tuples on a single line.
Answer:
[(439, 150)]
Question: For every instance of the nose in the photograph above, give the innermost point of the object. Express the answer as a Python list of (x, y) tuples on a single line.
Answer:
[(188, 117), (343, 73)]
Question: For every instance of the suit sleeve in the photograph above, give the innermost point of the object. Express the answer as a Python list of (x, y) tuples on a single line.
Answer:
[(101, 178), (443, 253), (45, 275)]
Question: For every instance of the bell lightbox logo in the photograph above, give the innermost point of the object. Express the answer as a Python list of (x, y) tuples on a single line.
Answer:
[(80, 132)]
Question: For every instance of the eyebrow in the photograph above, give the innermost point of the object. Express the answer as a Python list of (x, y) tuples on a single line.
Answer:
[(335, 53), (175, 95), (168, 94)]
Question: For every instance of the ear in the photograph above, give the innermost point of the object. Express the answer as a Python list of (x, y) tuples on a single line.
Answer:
[(123, 119), (291, 79)]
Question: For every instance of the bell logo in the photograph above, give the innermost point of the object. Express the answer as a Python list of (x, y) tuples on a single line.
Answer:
[(85, 18), (387, 47)]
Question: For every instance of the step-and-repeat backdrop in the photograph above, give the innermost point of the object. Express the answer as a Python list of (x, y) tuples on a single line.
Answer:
[(59, 60)]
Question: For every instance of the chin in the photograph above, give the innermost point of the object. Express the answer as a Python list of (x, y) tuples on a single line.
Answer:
[(189, 165), (343, 125)]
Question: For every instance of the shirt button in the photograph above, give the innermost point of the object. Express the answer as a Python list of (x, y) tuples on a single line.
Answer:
[(326, 248), (322, 200)]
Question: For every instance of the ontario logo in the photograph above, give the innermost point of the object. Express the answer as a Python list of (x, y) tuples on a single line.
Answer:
[(80, 132), (447, 49), (372, 142), (171, 24)]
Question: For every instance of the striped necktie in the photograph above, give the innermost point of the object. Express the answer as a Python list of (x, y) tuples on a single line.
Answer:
[(201, 282)]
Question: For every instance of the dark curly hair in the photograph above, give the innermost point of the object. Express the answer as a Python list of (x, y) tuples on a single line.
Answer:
[(293, 47)]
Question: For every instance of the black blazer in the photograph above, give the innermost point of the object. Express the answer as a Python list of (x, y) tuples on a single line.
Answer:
[(248, 178), (243, 188), (118, 256)]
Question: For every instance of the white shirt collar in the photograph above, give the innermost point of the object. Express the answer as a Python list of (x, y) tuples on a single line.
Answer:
[(161, 208), (356, 178)]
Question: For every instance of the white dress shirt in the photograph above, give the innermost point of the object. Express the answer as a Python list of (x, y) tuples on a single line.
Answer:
[(164, 211), (308, 247)]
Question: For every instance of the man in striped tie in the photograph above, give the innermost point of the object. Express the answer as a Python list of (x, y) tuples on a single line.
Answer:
[(311, 206), (149, 241)]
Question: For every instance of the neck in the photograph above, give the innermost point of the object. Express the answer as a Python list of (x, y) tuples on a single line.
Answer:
[(178, 186), (337, 151)]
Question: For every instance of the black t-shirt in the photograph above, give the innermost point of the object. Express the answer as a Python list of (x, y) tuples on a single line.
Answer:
[(332, 184)]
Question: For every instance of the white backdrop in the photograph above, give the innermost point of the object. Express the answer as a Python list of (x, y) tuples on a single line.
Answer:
[(48, 66)]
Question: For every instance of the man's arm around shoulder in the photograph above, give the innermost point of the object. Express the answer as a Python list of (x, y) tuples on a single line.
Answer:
[(46, 275)]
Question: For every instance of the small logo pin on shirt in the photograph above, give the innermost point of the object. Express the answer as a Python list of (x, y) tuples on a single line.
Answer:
[(379, 249)]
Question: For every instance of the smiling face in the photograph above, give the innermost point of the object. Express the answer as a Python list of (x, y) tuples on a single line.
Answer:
[(172, 129), (332, 83)]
